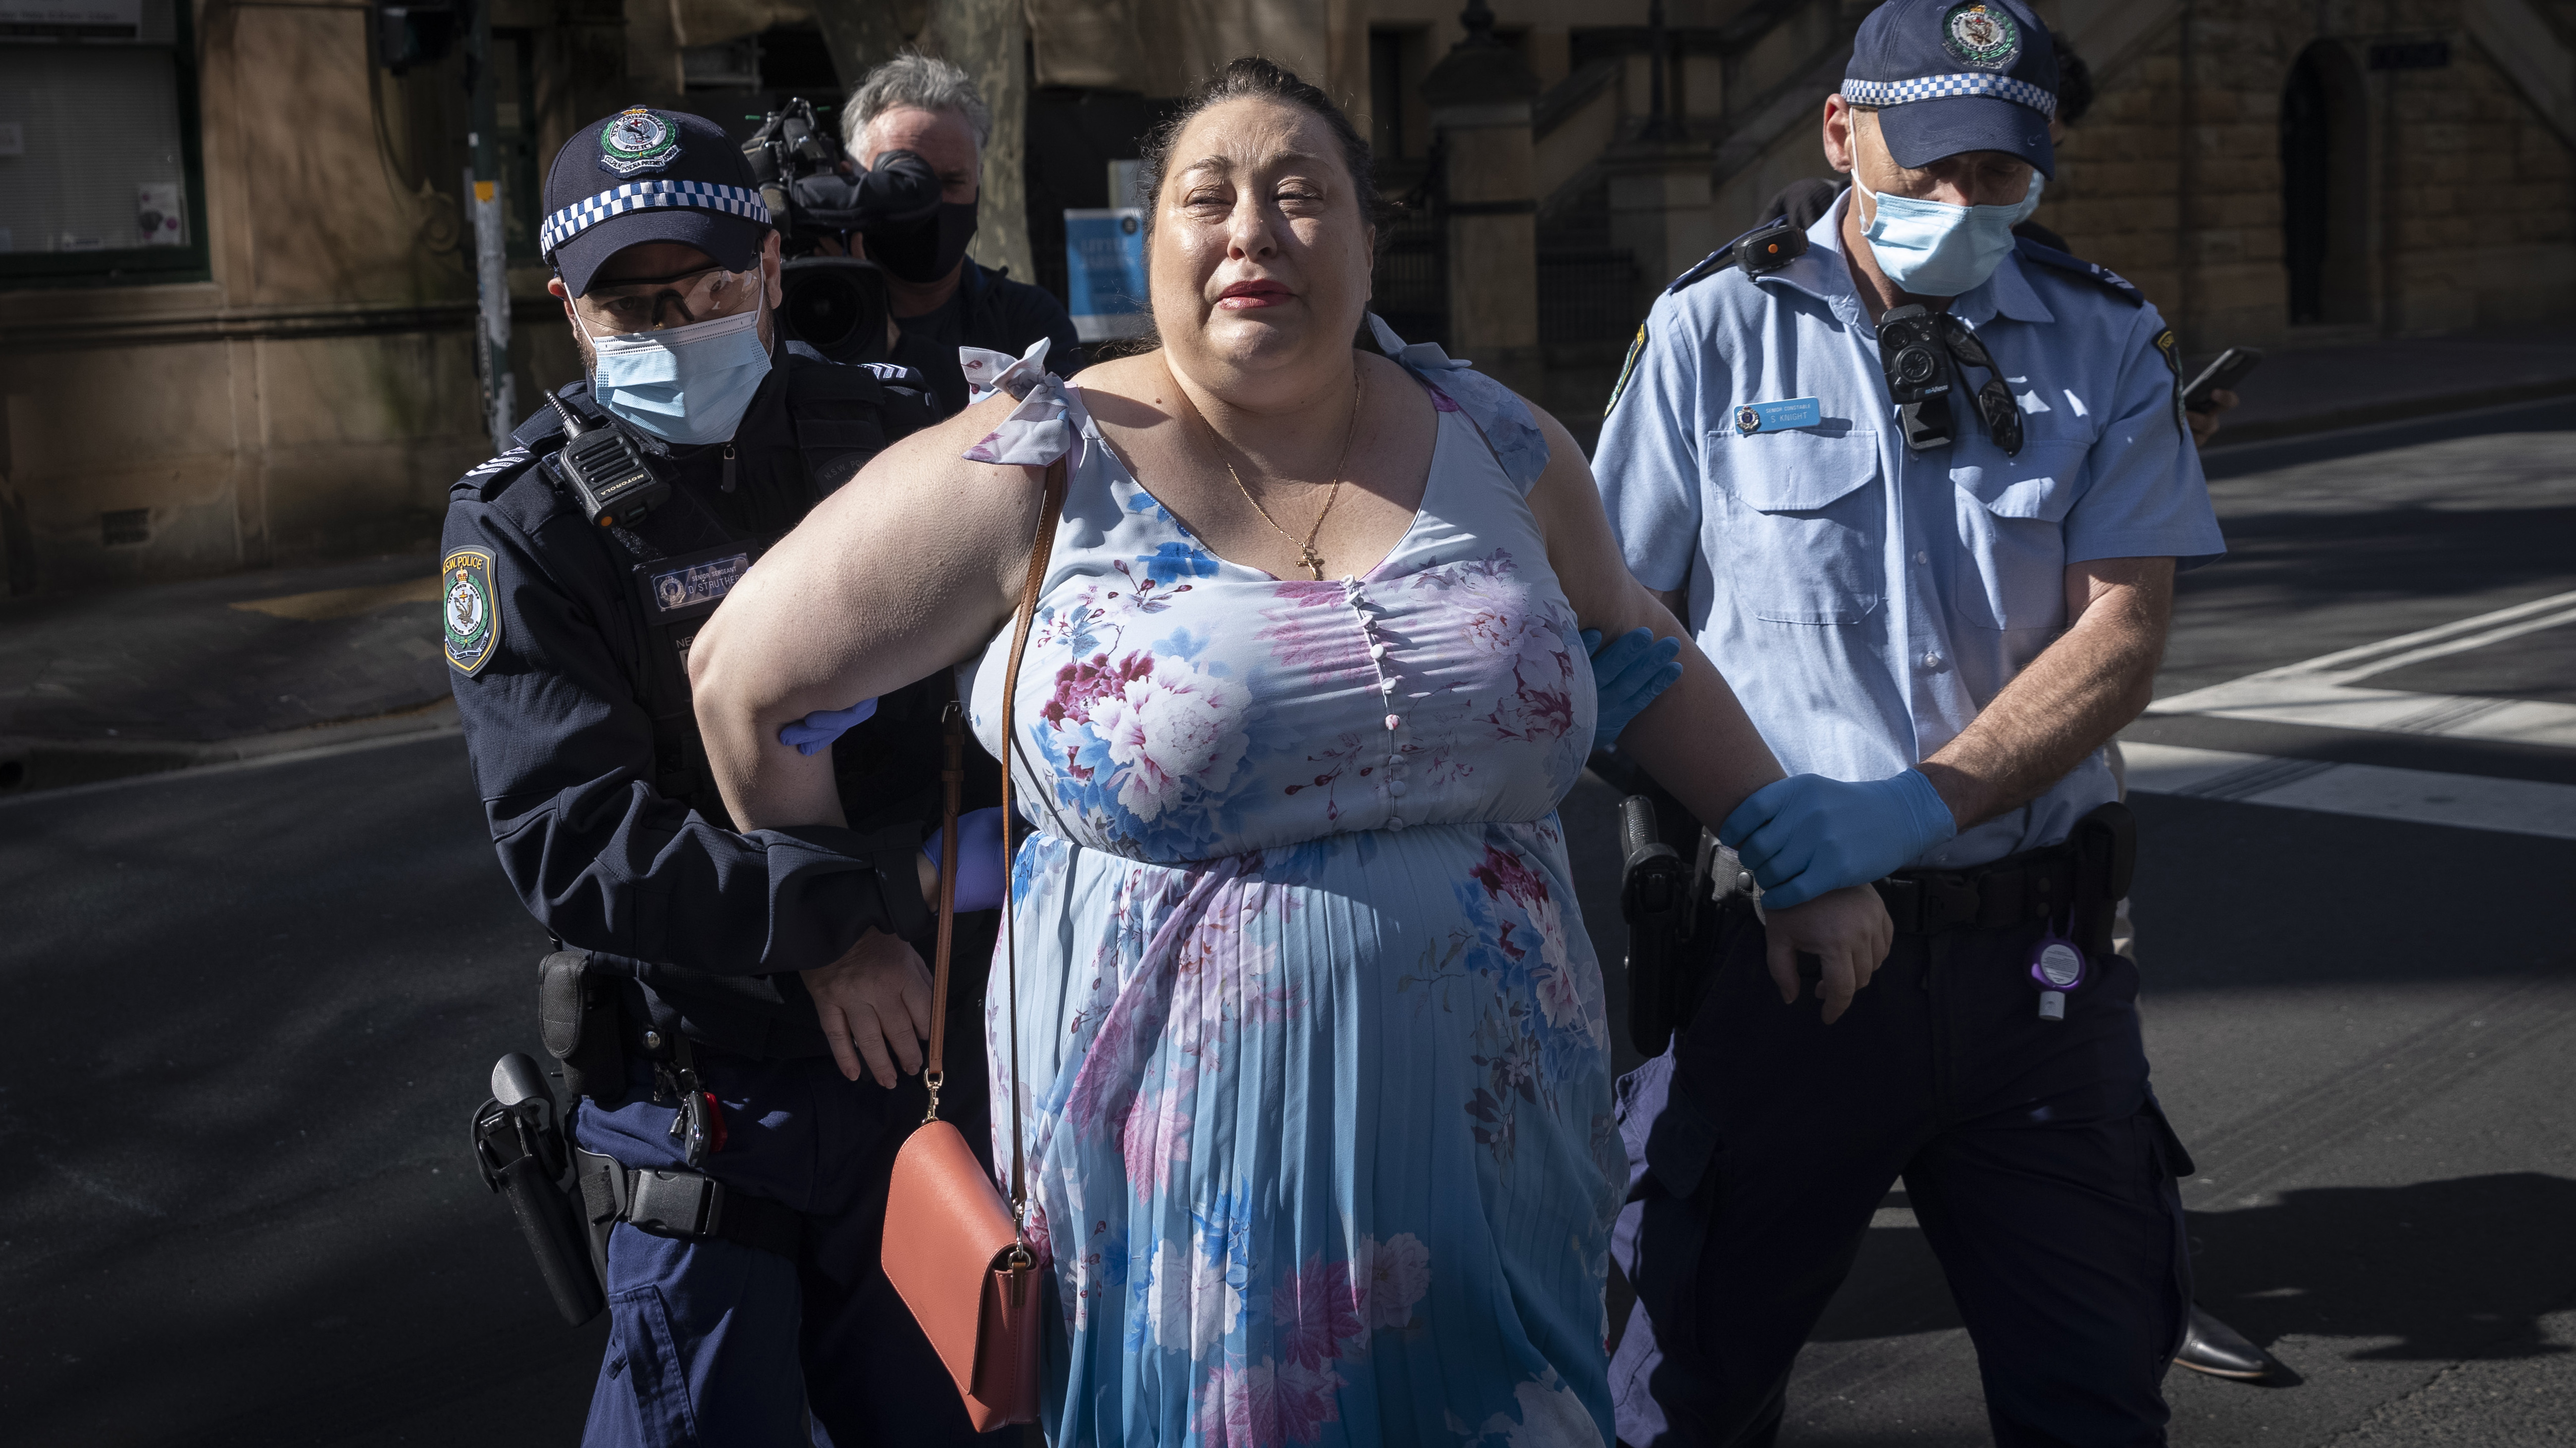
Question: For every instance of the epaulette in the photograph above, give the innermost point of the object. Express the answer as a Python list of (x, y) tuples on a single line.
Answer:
[(486, 479), (1766, 248), (530, 442), (2101, 276)]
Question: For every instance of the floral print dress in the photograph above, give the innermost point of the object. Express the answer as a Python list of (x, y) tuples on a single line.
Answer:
[(1311, 1039)]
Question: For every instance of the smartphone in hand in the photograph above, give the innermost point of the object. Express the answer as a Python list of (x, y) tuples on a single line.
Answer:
[(2230, 369)]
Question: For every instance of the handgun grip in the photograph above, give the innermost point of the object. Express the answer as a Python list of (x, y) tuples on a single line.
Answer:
[(1636, 826)]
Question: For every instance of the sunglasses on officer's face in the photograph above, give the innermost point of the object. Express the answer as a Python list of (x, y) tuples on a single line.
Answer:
[(657, 302)]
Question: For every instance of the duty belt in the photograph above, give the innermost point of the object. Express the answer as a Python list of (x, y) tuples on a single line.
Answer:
[(683, 1204), (2018, 889)]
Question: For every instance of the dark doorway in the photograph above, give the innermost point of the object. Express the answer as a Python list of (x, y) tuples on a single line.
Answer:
[(2325, 214)]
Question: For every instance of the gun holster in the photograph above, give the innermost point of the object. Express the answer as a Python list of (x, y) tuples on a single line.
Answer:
[(583, 1028), (1674, 919), (521, 1152), (2105, 846)]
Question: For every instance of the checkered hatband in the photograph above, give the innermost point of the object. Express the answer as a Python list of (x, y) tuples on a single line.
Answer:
[(579, 217), (1942, 87)]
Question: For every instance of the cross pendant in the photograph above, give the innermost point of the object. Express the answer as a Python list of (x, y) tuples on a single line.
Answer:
[(1313, 560)]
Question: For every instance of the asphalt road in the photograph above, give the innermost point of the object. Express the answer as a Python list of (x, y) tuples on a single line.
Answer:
[(251, 1010)]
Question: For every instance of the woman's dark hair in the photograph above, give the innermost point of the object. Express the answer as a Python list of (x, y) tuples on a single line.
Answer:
[(1246, 78), (1253, 77)]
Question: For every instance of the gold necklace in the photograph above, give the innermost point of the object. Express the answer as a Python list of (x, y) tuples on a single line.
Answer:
[(1308, 556)]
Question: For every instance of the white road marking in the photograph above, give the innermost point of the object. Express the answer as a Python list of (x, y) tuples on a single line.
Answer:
[(2321, 691), (2420, 796)]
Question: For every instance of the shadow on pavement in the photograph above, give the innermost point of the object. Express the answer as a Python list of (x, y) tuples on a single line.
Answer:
[(2441, 1271)]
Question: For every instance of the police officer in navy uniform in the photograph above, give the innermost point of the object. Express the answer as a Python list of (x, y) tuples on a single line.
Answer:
[(1921, 490), (743, 1010)]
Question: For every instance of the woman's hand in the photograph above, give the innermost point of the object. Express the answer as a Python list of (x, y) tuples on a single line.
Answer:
[(1848, 930), (873, 1002)]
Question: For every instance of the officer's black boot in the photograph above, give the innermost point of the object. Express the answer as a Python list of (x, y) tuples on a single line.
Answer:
[(2212, 1347)]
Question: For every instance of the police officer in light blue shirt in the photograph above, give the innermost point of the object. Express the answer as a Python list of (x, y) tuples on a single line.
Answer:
[(1920, 490)]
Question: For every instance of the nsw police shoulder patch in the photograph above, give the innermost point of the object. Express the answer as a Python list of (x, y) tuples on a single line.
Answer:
[(2171, 348), (1627, 370), (469, 609)]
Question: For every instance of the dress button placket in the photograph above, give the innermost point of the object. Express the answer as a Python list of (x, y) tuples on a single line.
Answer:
[(1357, 598)]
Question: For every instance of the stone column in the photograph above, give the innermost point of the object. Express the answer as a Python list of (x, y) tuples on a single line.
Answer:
[(1661, 210), (1480, 96)]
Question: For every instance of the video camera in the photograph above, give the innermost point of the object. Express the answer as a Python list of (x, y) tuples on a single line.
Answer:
[(818, 194)]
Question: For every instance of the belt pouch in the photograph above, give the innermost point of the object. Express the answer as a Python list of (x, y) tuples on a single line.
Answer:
[(578, 1015)]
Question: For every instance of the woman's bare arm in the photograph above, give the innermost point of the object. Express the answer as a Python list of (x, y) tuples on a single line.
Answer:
[(906, 570), (1695, 738)]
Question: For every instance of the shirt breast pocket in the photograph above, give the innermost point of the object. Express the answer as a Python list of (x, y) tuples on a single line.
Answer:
[(1803, 534), (2011, 568)]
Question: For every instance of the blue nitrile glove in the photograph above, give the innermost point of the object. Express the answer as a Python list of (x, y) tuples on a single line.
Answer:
[(1630, 672), (979, 859), (815, 732), (1807, 834)]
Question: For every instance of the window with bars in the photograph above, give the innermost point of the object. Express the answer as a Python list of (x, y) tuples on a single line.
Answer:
[(100, 177)]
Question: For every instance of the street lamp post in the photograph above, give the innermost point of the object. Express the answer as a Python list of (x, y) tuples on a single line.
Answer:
[(491, 266)]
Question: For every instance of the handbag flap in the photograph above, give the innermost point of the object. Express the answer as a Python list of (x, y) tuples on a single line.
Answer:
[(945, 1224)]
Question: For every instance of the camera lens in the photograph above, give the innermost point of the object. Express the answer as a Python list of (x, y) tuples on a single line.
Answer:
[(1914, 365), (835, 305)]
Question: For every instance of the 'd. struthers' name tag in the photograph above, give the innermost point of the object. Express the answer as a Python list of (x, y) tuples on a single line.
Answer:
[(1774, 416)]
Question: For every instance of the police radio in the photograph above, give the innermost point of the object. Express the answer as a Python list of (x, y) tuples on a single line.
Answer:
[(611, 477)]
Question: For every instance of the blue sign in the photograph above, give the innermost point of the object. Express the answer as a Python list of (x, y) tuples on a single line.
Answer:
[(1104, 264)]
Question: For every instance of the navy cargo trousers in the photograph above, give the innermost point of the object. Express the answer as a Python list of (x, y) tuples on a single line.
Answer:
[(718, 1345), (2035, 1157)]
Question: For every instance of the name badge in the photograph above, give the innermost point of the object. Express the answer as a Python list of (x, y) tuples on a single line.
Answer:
[(1774, 416), (698, 582)]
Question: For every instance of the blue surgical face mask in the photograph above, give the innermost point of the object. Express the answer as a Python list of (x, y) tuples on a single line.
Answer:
[(687, 385), (1935, 249)]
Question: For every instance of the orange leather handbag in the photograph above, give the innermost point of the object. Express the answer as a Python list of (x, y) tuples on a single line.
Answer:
[(956, 1251)]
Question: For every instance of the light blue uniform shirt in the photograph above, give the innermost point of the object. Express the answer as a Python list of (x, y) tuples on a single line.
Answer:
[(1866, 602)]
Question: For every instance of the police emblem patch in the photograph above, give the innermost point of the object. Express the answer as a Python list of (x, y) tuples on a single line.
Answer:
[(637, 140), (469, 615), (1627, 370), (1981, 36), (2171, 347), (1748, 419)]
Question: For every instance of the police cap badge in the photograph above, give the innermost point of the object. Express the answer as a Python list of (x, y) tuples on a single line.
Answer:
[(1981, 36), (636, 140)]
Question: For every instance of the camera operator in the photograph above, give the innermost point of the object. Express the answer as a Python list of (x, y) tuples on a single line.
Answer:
[(942, 299), (713, 991)]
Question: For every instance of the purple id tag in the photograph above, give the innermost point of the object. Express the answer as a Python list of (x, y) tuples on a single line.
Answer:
[(2056, 967)]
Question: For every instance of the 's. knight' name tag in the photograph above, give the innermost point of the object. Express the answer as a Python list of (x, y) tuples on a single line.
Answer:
[(698, 582), (1776, 416)]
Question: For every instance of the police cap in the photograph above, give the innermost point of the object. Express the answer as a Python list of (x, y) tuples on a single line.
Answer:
[(649, 175)]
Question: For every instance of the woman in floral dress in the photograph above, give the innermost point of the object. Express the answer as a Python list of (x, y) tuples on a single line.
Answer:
[(1310, 1035)]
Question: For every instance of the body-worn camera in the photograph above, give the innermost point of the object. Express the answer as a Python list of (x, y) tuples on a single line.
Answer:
[(817, 194), (612, 478), (1920, 351)]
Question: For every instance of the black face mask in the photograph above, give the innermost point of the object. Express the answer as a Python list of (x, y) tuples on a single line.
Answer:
[(929, 248)]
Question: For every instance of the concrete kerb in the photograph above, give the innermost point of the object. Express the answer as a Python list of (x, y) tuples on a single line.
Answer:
[(34, 766)]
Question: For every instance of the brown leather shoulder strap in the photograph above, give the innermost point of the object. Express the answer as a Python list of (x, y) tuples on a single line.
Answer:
[(1041, 551)]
